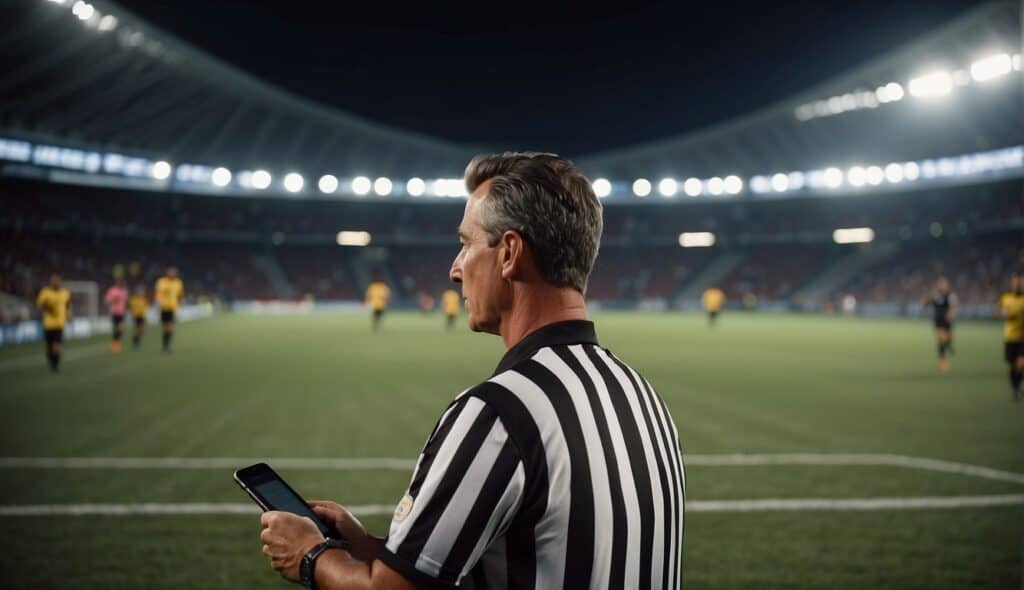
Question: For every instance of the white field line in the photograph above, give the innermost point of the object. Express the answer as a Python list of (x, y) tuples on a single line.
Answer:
[(765, 505), (397, 464)]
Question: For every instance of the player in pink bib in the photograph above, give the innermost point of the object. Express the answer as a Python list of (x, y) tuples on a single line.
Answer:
[(117, 301)]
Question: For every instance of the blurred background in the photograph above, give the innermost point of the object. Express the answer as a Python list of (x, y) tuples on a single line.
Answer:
[(822, 164)]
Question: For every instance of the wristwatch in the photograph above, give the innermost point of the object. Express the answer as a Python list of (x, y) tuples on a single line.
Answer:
[(307, 568)]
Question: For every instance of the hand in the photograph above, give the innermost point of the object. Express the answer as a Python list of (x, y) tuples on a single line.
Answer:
[(361, 545), (286, 539)]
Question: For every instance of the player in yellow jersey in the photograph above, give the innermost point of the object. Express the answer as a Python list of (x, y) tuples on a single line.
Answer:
[(169, 293), (377, 296), (450, 302), (713, 300), (137, 305), (1011, 308), (54, 301)]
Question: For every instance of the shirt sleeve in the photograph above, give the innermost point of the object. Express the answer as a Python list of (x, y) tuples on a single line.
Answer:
[(466, 489)]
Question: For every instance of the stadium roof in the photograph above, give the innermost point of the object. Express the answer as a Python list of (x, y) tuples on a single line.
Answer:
[(92, 75)]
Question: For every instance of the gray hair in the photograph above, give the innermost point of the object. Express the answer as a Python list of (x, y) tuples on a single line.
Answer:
[(550, 203)]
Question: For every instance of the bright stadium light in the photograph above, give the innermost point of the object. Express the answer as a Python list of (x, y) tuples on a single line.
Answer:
[(602, 187), (107, 23), (353, 238), (991, 67), (833, 177), (260, 179), (641, 187), (415, 187), (797, 180), (853, 235), (894, 173), (733, 184), (293, 182), (668, 187), (161, 170), (760, 184), (361, 185), (221, 176), (328, 183), (716, 185), (83, 10), (874, 175), (699, 239), (693, 187), (856, 176), (61, 2), (382, 186), (931, 85), (780, 182), (911, 171)]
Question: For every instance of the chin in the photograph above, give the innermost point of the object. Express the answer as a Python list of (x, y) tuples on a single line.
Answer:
[(479, 326)]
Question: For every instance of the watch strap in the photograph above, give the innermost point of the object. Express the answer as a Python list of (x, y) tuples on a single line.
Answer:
[(307, 568)]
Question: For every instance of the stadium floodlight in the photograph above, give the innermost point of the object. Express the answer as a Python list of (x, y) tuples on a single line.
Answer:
[(668, 187), (693, 187), (415, 186), (602, 187), (716, 185), (991, 67), (353, 238), (382, 186), (874, 175), (61, 2), (891, 92), (733, 184), (641, 187), (853, 235), (797, 180), (361, 185), (760, 184), (856, 176), (327, 184), (221, 176), (160, 170), (1016, 61), (931, 85), (894, 173), (833, 177), (107, 23), (780, 182), (83, 10), (698, 239), (911, 171), (260, 179), (293, 182)]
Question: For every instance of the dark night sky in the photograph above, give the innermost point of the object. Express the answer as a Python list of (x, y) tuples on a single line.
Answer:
[(570, 78)]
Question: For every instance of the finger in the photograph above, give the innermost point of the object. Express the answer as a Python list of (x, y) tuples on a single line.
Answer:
[(268, 517), (266, 549)]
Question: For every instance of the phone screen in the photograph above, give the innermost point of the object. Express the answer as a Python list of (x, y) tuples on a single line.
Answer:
[(275, 494)]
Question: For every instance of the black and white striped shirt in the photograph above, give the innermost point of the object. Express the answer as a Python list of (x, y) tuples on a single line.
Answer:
[(563, 470)]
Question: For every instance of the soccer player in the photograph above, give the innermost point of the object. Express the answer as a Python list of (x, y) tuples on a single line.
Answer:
[(713, 301), (169, 292), (943, 303), (1011, 308), (137, 305), (377, 296), (54, 301), (116, 299), (451, 302)]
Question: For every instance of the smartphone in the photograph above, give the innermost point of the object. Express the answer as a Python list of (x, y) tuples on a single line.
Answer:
[(267, 489)]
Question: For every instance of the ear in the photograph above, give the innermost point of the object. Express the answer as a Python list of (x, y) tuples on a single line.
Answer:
[(512, 255)]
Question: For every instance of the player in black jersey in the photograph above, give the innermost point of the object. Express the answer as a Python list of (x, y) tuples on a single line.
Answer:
[(943, 303)]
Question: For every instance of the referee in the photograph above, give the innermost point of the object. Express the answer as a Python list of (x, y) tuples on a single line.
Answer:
[(562, 470)]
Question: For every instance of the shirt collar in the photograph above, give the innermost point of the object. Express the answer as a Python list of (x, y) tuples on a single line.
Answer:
[(567, 332)]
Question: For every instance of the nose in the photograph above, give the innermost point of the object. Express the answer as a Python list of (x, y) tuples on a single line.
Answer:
[(455, 272)]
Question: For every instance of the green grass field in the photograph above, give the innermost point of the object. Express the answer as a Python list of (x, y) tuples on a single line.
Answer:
[(321, 386)]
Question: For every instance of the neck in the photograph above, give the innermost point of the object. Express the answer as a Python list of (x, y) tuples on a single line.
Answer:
[(535, 306)]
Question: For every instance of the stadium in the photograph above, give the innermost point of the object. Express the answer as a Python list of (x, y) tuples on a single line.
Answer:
[(823, 446)]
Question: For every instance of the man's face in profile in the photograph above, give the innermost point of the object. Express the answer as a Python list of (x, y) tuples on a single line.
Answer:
[(477, 268)]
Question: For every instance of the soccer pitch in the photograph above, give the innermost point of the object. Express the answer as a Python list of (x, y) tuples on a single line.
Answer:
[(836, 420)]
